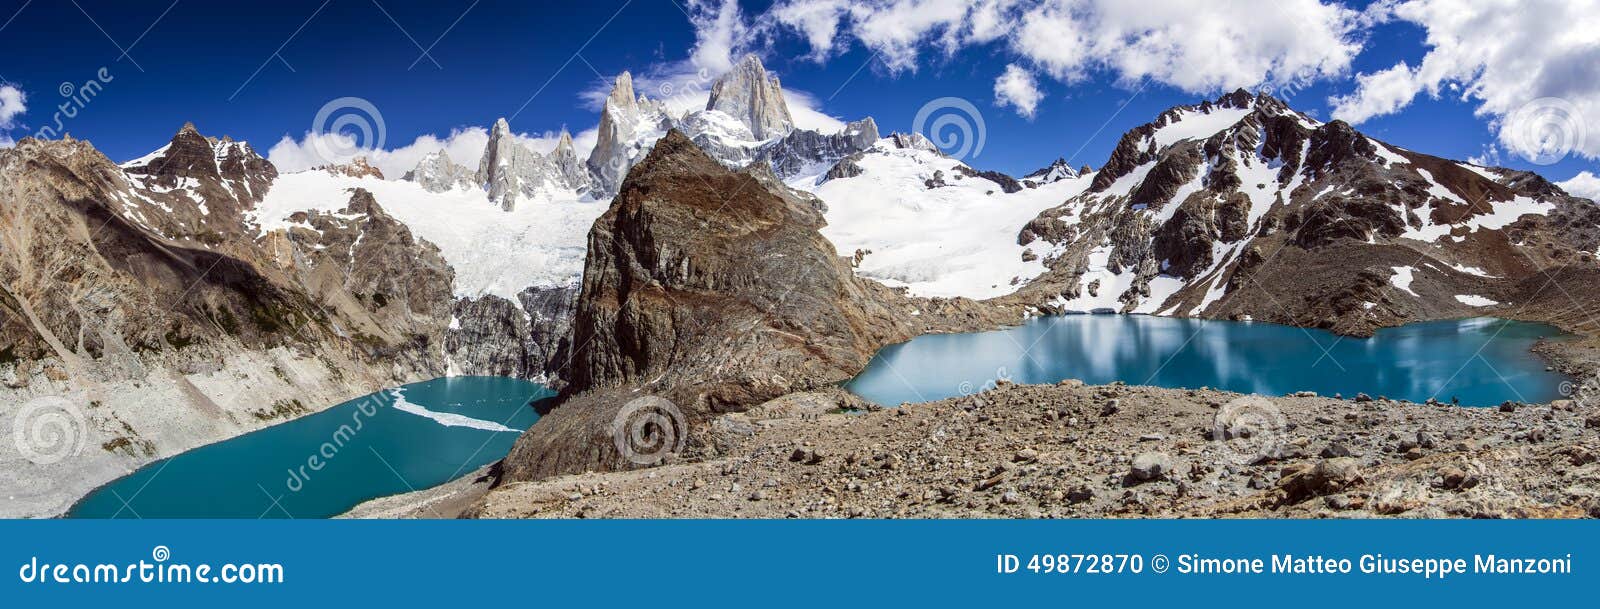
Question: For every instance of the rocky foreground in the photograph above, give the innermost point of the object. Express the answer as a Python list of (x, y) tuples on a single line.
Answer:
[(1074, 451)]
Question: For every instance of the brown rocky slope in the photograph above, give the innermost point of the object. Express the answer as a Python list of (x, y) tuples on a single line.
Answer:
[(141, 303), (712, 289)]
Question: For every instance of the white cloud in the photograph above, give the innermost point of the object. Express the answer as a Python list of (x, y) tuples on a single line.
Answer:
[(1234, 44), (1017, 88), (12, 104), (464, 146), (720, 34), (1383, 92), (1532, 67), (1585, 184)]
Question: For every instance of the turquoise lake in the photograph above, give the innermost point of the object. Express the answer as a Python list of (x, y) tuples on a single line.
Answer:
[(397, 440), (1480, 362)]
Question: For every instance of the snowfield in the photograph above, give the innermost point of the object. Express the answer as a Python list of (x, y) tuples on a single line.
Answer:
[(955, 240), (541, 243)]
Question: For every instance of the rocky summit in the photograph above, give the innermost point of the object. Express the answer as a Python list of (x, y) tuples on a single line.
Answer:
[(754, 97), (711, 288)]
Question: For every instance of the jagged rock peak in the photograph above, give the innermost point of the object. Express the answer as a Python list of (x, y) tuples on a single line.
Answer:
[(1054, 172), (913, 141), (753, 96), (626, 125), (511, 171), (188, 127), (436, 172), (622, 91), (357, 168)]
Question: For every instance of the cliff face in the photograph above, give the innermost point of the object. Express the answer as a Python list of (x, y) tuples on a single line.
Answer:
[(495, 337), (142, 300), (711, 288)]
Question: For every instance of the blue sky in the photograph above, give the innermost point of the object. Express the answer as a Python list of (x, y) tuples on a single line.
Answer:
[(261, 73)]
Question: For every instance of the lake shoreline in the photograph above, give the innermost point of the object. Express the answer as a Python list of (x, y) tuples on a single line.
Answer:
[(393, 440), (1480, 361)]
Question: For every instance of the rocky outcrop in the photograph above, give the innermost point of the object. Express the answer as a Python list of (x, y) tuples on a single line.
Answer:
[(437, 173), (1054, 172), (804, 150), (626, 122), (913, 141), (529, 339), (195, 188), (754, 97), (392, 290), (511, 171), (356, 168), (712, 288)]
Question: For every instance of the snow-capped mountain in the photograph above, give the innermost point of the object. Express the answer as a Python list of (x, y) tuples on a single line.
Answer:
[(195, 186), (436, 172), (1054, 172), (511, 171), (628, 125), (754, 98), (1243, 207)]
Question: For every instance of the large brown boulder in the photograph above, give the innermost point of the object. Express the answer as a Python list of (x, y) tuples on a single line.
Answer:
[(713, 290)]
